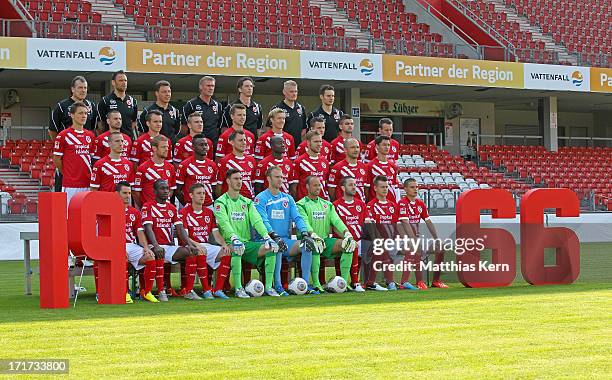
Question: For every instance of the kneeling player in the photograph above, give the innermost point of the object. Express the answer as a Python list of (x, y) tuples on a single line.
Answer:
[(200, 223), (320, 215), (158, 219), (235, 216)]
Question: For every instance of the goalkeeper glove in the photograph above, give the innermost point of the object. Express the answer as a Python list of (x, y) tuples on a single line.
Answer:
[(319, 243), (270, 244), (348, 243), (308, 242), (237, 245), (282, 246)]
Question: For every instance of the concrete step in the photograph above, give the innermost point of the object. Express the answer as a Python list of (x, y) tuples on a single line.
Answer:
[(114, 15)]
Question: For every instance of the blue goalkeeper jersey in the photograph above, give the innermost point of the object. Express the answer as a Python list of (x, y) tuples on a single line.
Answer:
[(279, 212)]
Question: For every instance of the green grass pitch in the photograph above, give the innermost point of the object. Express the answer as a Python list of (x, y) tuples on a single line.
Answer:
[(517, 332)]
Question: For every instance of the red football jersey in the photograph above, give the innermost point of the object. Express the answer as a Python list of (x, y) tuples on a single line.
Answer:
[(246, 164), (191, 171), (382, 212), (371, 152), (353, 214), (413, 211), (75, 148), (326, 150), (133, 223), (103, 149), (224, 147), (199, 224), (342, 169), (305, 166), (183, 149), (162, 217), (148, 173), (387, 169), (107, 173), (142, 150), (263, 149), (337, 149), (284, 164)]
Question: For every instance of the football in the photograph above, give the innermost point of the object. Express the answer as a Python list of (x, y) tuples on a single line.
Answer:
[(336, 285), (254, 288), (298, 286)]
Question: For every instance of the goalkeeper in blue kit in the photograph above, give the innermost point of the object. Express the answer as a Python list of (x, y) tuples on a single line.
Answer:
[(279, 212)]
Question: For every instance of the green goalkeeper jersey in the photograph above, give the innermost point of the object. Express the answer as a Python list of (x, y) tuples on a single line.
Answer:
[(236, 217), (320, 215)]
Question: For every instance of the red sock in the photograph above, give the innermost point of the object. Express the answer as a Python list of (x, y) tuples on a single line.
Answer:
[(438, 260), (127, 277), (190, 272), (202, 270), (183, 276), (148, 276), (167, 274), (159, 274), (337, 266), (95, 270), (222, 273), (285, 273), (355, 267)]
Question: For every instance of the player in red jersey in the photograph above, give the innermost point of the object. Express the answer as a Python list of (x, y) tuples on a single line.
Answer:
[(277, 159), (239, 161), (201, 225), (412, 211), (353, 212), (183, 149), (155, 168), (382, 166), (349, 167), (238, 115), (197, 169), (382, 224), (136, 245), (113, 168), (276, 120), (113, 118), (141, 148), (316, 124), (346, 132), (385, 128), (159, 219), (310, 163), (72, 152)]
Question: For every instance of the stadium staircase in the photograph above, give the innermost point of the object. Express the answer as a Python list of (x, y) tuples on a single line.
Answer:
[(112, 14)]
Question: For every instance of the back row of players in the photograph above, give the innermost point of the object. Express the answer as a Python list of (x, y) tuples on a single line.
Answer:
[(147, 166)]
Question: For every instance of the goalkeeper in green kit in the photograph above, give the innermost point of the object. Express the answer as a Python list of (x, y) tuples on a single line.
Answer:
[(236, 215), (320, 215)]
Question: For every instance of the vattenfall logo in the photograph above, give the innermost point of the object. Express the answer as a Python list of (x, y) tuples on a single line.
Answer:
[(365, 66), (106, 55), (577, 79)]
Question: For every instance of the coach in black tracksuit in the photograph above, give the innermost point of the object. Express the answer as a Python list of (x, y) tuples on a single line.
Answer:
[(254, 118)]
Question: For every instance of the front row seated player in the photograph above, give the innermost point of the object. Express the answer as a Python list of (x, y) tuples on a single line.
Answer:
[(236, 215), (279, 212), (158, 219), (320, 216)]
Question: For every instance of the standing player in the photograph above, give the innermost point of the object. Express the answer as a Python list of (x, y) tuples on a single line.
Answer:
[(112, 169), (276, 119), (382, 166), (346, 126), (154, 169), (142, 150), (239, 161), (119, 100), (140, 256), (331, 114), (113, 119), (73, 150), (412, 211), (197, 169), (310, 163), (353, 212), (316, 124), (278, 159), (200, 223), (183, 148), (171, 117), (385, 128), (60, 116), (320, 216), (236, 216), (254, 117), (238, 113), (349, 167), (279, 212), (295, 113), (210, 109)]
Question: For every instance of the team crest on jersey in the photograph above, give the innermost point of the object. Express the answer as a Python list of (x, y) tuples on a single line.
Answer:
[(362, 171), (254, 109), (199, 107), (217, 208), (299, 111), (168, 173), (210, 170), (171, 112), (323, 165), (132, 217), (207, 219), (127, 167), (88, 139), (137, 181), (337, 116), (391, 210), (214, 108), (285, 204), (250, 165), (170, 213), (144, 213), (358, 208), (420, 209), (129, 102), (324, 205), (256, 201), (244, 207), (113, 101)]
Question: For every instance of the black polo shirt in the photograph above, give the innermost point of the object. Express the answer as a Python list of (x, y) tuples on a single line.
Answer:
[(254, 118), (212, 113), (295, 120), (60, 116), (171, 120), (331, 121), (128, 107)]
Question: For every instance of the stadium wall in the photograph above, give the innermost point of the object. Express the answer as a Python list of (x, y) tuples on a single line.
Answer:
[(527, 118)]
